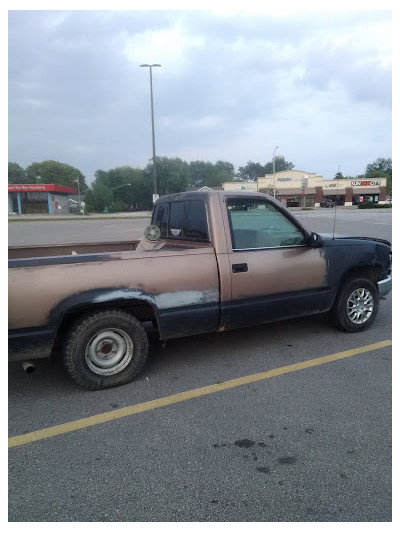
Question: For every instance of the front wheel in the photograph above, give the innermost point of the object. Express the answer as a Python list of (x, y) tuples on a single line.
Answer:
[(105, 349), (356, 305)]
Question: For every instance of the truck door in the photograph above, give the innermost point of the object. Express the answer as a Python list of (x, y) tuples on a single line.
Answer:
[(275, 273)]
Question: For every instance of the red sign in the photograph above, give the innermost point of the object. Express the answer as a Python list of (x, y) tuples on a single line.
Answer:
[(40, 187)]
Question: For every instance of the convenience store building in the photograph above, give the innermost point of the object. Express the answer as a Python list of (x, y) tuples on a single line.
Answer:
[(33, 198), (295, 188)]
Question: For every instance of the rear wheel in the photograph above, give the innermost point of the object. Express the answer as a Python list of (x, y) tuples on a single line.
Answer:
[(105, 349), (356, 305)]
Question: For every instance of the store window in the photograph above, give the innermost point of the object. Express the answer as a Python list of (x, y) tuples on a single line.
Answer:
[(34, 202), (292, 201)]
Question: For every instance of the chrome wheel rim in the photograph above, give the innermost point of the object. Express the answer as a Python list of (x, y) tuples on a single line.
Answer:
[(360, 306), (109, 351)]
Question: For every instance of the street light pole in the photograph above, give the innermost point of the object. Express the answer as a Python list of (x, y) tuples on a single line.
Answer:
[(273, 165), (155, 192)]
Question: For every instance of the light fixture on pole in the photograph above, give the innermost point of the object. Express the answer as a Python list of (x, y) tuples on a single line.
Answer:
[(273, 165), (118, 187), (155, 192)]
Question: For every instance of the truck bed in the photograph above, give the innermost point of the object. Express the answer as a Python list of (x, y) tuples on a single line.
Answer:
[(54, 250), (44, 250)]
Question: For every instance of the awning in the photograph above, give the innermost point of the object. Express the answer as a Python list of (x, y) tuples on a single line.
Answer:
[(369, 190), (294, 192), (333, 192)]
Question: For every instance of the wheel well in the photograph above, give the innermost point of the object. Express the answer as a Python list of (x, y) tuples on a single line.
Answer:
[(142, 311), (372, 273)]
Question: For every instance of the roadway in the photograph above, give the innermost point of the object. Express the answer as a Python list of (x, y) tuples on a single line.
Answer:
[(35, 230)]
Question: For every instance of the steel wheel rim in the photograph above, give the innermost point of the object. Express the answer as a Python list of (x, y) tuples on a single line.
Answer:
[(360, 305), (109, 351)]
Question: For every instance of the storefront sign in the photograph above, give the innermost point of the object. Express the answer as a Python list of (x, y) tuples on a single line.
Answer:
[(365, 183), (27, 187), (38, 187), (249, 187)]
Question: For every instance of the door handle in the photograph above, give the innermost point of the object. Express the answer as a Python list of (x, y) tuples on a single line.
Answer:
[(240, 267)]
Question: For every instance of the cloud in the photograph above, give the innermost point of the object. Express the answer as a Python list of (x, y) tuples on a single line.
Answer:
[(170, 46), (232, 86)]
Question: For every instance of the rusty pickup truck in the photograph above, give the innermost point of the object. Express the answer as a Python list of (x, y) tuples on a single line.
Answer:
[(209, 262)]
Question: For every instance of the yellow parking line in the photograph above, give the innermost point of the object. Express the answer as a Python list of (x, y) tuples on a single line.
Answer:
[(183, 396)]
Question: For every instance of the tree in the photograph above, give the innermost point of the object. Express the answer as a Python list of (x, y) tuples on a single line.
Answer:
[(16, 174), (131, 188), (252, 171), (138, 194), (98, 198), (339, 176), (201, 173), (55, 172), (210, 175), (382, 164), (173, 174), (224, 172), (381, 168), (280, 165)]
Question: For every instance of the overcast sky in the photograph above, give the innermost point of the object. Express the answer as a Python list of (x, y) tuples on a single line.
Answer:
[(232, 87)]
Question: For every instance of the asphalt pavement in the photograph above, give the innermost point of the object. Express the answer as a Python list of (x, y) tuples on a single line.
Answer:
[(130, 226)]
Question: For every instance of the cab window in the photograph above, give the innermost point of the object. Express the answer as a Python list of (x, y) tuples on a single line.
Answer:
[(255, 223)]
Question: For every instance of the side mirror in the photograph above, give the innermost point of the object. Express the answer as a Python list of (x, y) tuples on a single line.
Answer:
[(315, 240)]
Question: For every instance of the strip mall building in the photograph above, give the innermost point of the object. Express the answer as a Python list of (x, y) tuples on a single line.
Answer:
[(31, 198), (295, 188)]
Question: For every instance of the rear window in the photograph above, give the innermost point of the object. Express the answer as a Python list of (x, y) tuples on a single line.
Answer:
[(185, 219)]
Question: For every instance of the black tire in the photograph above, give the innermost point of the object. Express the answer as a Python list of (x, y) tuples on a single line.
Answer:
[(356, 305), (105, 349)]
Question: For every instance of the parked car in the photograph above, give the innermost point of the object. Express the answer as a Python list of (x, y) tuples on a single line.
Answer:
[(327, 203), (209, 262)]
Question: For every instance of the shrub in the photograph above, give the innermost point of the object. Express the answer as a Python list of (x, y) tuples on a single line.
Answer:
[(371, 205)]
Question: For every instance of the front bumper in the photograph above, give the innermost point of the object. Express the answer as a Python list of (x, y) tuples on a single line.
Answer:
[(385, 286)]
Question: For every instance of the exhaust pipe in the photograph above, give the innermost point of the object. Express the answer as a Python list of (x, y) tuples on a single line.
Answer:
[(28, 366)]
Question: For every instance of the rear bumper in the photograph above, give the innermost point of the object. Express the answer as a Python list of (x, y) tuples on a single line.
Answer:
[(385, 286), (24, 345)]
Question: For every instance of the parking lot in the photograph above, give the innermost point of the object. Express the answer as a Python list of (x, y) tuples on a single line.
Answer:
[(278, 423)]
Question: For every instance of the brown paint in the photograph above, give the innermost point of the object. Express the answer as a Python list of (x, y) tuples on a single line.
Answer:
[(179, 268)]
